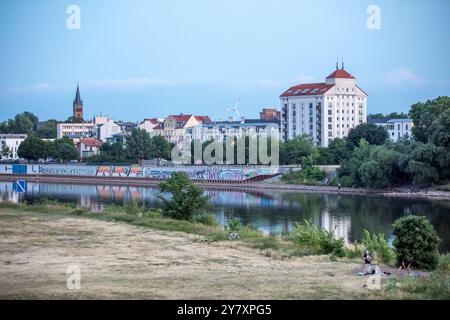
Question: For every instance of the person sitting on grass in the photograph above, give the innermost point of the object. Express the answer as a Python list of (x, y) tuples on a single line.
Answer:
[(367, 261), (406, 265)]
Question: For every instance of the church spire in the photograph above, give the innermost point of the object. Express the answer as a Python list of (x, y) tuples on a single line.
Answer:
[(77, 96)]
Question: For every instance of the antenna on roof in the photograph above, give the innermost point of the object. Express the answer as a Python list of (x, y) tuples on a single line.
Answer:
[(342, 63), (337, 63)]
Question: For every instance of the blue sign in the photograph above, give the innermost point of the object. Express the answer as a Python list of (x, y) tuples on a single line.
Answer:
[(20, 186)]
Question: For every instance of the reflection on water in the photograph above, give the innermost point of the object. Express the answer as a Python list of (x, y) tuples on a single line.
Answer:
[(270, 211)]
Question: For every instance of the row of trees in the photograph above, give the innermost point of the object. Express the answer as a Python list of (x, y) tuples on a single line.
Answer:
[(27, 123), (35, 149)]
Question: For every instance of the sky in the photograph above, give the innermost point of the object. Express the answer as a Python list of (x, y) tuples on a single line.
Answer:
[(140, 59)]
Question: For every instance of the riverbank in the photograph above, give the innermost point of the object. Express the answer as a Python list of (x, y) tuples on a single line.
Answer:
[(122, 261), (119, 258), (261, 185)]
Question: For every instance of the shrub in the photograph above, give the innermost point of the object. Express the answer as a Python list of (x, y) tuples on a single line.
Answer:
[(320, 241), (186, 198), (416, 238), (204, 218), (233, 225), (308, 175), (354, 251), (378, 247)]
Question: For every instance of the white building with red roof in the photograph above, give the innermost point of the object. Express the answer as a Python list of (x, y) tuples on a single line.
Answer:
[(88, 147), (325, 110)]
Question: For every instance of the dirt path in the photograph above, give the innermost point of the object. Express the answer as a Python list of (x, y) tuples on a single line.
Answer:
[(123, 261)]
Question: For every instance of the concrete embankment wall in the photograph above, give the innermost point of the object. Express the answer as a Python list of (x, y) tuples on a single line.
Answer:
[(198, 173)]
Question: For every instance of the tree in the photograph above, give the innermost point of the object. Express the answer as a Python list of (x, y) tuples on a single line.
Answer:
[(425, 114), (440, 131), (48, 129), (138, 145), (32, 148), (74, 120), (334, 153), (416, 239), (372, 133), (66, 152), (298, 150), (5, 151), (186, 198), (160, 148), (380, 169)]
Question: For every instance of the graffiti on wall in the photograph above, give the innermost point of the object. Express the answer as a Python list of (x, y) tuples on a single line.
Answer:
[(194, 172)]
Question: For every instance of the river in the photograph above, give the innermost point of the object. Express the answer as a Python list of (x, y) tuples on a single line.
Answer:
[(267, 210)]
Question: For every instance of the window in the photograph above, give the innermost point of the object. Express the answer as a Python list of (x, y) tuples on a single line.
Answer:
[(330, 112), (330, 119), (330, 127)]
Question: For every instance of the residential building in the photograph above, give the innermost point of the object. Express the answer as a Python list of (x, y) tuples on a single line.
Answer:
[(118, 137), (75, 130), (127, 127), (174, 127), (107, 130), (396, 128), (325, 110), (88, 147), (12, 142), (149, 124), (270, 115), (78, 105), (224, 130)]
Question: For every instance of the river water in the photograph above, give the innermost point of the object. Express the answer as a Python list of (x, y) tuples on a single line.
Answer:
[(267, 210)]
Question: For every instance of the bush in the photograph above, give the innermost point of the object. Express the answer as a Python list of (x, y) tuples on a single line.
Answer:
[(308, 175), (320, 241), (186, 198), (378, 247), (233, 225), (204, 218), (354, 251), (415, 238)]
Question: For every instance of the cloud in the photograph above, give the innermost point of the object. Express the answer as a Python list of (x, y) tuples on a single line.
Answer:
[(126, 83), (105, 83), (39, 87), (403, 76)]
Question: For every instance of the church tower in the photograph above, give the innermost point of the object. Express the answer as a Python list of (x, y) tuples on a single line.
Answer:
[(78, 105)]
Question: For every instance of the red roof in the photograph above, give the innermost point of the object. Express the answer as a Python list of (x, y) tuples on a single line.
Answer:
[(340, 73), (182, 117), (91, 142), (152, 120), (203, 119), (309, 89)]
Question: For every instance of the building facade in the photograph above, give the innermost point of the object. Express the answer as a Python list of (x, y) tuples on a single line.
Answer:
[(396, 128), (221, 131), (149, 124), (107, 130), (270, 115), (11, 142), (174, 127), (75, 130), (88, 147), (325, 110)]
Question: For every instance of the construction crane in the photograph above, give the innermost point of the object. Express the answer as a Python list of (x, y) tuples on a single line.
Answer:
[(235, 109)]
